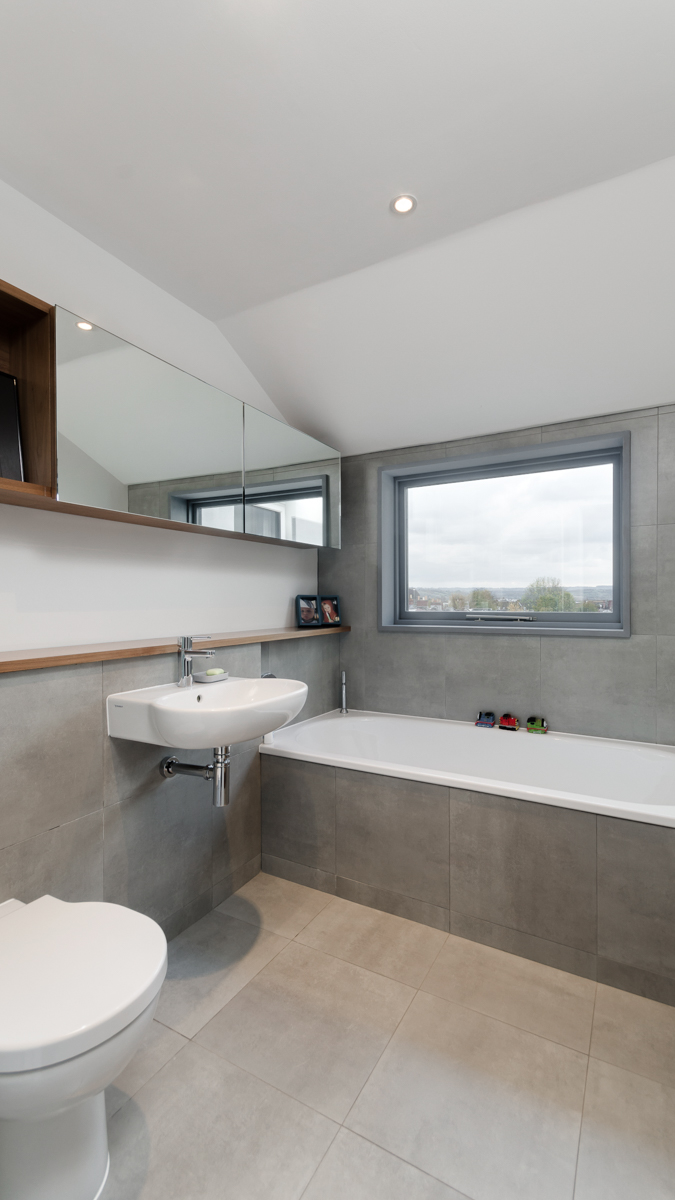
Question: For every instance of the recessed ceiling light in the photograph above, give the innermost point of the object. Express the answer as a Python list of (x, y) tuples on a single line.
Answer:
[(84, 325), (402, 205)]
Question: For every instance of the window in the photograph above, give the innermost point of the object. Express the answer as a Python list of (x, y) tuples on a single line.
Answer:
[(533, 541)]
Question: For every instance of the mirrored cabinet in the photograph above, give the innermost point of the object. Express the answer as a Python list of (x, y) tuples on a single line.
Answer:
[(137, 435)]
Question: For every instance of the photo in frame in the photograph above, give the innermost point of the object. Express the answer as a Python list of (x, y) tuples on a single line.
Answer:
[(307, 611), (329, 607)]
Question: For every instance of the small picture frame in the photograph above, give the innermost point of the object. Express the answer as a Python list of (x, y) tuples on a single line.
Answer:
[(329, 607), (307, 611)]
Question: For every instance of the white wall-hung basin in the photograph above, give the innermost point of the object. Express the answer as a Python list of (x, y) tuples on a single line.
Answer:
[(203, 716)]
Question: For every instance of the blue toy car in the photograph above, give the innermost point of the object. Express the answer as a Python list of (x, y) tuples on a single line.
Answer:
[(487, 719)]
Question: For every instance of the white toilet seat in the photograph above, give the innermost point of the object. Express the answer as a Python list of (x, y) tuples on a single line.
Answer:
[(75, 975)]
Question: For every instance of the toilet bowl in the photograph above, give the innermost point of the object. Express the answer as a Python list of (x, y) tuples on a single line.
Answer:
[(79, 984)]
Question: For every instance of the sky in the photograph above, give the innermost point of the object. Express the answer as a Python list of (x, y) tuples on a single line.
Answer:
[(506, 532)]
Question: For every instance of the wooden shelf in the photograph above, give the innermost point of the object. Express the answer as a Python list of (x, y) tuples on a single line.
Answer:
[(64, 656), (26, 489), (28, 351)]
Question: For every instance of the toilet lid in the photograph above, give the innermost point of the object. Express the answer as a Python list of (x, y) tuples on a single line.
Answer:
[(71, 976)]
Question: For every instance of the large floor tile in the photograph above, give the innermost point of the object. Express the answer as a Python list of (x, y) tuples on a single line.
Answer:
[(208, 965), (489, 1109), (540, 999), (637, 1034), (311, 1025), (202, 1129), (627, 1149), (275, 904), (355, 1169), (160, 1045), (390, 945)]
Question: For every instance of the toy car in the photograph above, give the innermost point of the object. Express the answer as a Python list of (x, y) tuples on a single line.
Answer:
[(508, 721), (537, 725), (486, 719)]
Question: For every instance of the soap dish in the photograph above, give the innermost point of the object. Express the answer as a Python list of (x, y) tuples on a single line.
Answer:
[(202, 677)]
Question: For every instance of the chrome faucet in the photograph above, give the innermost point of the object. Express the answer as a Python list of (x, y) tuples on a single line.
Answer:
[(187, 654)]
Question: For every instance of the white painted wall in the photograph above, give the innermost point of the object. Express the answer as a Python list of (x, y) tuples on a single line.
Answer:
[(562, 310), (73, 580), (68, 580)]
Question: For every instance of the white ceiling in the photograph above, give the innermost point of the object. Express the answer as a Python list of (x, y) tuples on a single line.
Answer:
[(234, 151), (558, 311)]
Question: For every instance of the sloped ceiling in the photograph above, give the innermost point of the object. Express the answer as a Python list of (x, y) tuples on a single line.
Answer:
[(234, 151), (558, 311)]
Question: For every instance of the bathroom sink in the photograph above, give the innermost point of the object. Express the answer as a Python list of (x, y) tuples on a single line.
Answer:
[(205, 715)]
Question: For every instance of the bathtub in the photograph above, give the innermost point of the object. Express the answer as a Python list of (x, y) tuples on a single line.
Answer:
[(633, 780)]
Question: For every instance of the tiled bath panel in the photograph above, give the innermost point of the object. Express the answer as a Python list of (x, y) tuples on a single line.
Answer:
[(88, 817), (585, 894)]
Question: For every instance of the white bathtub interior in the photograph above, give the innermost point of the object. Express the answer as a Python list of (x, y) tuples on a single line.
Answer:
[(634, 780)]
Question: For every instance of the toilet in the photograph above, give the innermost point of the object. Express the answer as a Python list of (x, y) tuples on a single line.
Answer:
[(79, 984)]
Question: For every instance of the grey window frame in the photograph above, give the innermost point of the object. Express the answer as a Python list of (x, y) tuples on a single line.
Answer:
[(186, 505), (393, 484)]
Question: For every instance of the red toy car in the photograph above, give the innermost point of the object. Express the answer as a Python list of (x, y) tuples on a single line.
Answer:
[(508, 721)]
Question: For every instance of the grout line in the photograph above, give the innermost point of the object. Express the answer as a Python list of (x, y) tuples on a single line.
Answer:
[(323, 1156), (379, 1057), (408, 1163), (583, 1101), (266, 1083), (509, 1024), (511, 929)]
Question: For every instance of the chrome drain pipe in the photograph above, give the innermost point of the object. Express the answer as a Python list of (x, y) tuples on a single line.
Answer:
[(218, 772)]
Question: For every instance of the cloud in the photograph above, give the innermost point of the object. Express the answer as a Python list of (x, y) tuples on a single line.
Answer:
[(506, 531)]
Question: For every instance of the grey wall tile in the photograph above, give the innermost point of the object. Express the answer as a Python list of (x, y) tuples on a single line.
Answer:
[(405, 673), (636, 897), (342, 572), (236, 827), (525, 866), (323, 881), (354, 508), (497, 673), (393, 834), (602, 687), (131, 768), (666, 468), (352, 662), (665, 690), (525, 945), (394, 902), (66, 862), (298, 811), (157, 848), (643, 588), (51, 748), (637, 981), (231, 883), (144, 498), (185, 917), (315, 661), (666, 579)]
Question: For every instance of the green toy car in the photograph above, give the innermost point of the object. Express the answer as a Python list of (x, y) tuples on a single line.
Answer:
[(537, 725)]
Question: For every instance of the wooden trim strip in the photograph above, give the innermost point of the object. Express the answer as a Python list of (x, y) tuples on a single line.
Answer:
[(64, 656), (25, 500)]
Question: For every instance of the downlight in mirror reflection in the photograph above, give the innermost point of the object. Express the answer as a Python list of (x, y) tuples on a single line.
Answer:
[(84, 325), (402, 205)]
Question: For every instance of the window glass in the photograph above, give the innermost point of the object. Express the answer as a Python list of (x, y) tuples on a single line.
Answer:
[(541, 541)]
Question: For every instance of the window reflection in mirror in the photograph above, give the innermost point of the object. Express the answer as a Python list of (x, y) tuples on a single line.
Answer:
[(138, 435), (291, 482)]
